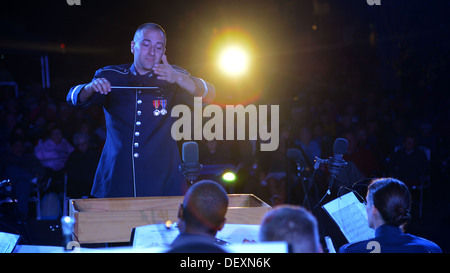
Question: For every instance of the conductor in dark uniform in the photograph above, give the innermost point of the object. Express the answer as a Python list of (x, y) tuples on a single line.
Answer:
[(140, 157)]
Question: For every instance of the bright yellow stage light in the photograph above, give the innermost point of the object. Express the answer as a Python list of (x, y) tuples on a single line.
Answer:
[(233, 51), (234, 60)]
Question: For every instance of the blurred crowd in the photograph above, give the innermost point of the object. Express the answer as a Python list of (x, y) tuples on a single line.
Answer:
[(48, 148), (45, 144)]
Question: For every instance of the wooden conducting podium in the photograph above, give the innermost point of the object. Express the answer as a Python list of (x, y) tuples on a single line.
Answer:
[(110, 220)]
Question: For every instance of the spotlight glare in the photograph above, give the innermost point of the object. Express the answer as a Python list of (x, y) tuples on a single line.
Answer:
[(233, 60)]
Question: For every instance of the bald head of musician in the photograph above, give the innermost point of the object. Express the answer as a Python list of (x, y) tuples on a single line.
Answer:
[(203, 210)]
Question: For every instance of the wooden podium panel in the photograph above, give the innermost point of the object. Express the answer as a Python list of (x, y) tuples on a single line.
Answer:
[(110, 220)]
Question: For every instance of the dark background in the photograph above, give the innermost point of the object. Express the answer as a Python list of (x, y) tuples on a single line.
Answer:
[(313, 58)]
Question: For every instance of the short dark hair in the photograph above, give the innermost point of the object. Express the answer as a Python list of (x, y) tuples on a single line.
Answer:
[(151, 26), (292, 224), (392, 199), (205, 205)]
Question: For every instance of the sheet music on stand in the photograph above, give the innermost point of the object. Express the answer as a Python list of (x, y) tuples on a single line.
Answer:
[(351, 217), (157, 235), (157, 238)]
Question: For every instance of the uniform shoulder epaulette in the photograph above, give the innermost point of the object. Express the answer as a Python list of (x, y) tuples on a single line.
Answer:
[(122, 69)]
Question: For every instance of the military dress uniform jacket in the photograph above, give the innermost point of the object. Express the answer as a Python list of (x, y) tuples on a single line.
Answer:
[(140, 157), (391, 239)]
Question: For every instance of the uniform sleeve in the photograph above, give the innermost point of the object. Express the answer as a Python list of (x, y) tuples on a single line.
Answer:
[(183, 97), (74, 92)]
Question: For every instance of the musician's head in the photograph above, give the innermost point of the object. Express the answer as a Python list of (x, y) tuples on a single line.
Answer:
[(294, 225), (204, 207), (148, 46), (388, 202)]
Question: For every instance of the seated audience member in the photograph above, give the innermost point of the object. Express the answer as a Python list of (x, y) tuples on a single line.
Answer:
[(388, 210), (21, 167), (310, 146), (201, 216), (54, 151), (294, 225), (409, 163), (362, 157), (85, 158), (214, 152), (273, 172)]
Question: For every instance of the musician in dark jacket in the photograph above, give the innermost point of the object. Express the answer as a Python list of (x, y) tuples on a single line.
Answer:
[(388, 210), (140, 157), (201, 216)]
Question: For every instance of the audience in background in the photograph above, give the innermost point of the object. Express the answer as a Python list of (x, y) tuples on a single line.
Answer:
[(409, 163), (379, 120), (53, 151), (308, 145), (85, 158), (390, 132), (23, 168)]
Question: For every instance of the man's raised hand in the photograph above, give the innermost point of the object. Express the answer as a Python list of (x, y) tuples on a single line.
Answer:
[(166, 72)]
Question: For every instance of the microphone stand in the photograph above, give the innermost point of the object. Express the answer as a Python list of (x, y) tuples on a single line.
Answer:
[(190, 172), (298, 172), (305, 189), (334, 170), (334, 166)]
